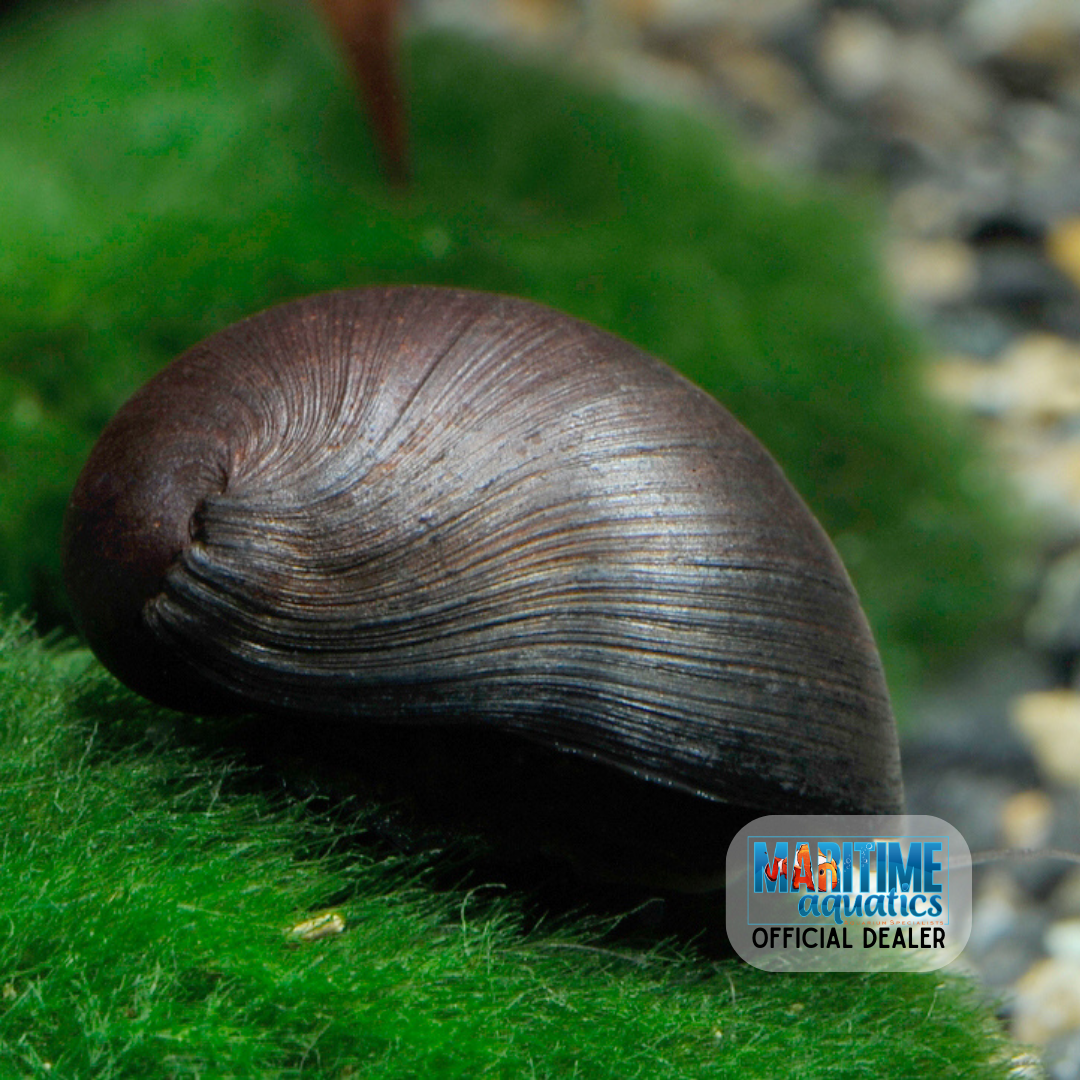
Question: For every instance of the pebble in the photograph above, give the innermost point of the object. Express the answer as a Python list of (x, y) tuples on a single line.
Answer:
[(1063, 247), (757, 79), (1063, 1054), (965, 719), (1036, 381), (1025, 28), (762, 18), (974, 804), (1062, 940), (1050, 721), (941, 271), (1065, 900), (1014, 274), (856, 53), (1047, 1000), (918, 91), (1006, 927), (1027, 820), (1053, 623), (1048, 474), (929, 208), (1028, 399), (941, 99), (973, 330), (996, 905)]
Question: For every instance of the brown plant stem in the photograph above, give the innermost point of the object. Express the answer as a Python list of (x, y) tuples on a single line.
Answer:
[(367, 30)]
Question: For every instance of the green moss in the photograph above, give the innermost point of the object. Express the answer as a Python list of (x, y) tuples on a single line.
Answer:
[(147, 891), (164, 176)]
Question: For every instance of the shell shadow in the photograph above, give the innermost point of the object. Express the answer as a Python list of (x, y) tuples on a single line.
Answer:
[(570, 837), (573, 840)]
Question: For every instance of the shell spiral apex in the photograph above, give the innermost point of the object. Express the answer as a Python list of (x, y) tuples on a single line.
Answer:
[(440, 509)]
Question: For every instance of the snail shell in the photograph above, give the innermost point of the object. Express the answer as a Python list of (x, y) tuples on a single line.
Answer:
[(475, 517)]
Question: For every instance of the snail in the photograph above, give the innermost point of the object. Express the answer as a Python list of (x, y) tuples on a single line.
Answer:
[(487, 542)]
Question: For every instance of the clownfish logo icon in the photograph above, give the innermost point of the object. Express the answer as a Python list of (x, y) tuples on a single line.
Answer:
[(802, 868), (826, 878), (777, 870), (826, 868), (826, 865)]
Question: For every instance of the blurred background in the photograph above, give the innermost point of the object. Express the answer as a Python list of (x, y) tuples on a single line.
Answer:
[(856, 223)]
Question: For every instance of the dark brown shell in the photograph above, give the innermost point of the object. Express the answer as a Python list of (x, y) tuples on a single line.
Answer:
[(430, 507)]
